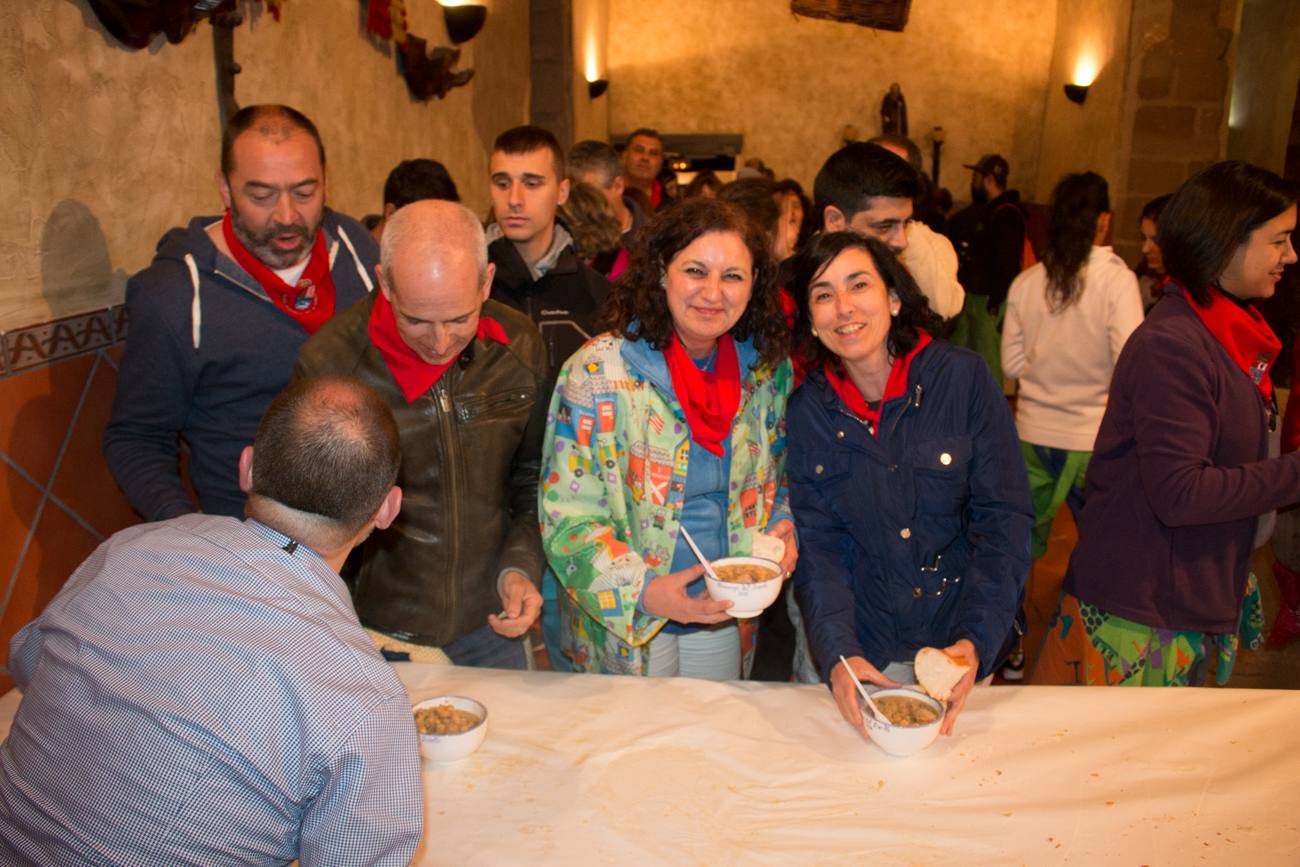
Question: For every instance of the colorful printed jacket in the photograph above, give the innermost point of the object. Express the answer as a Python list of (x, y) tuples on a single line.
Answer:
[(614, 479)]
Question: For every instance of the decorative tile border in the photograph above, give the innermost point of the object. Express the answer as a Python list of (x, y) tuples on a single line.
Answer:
[(48, 342)]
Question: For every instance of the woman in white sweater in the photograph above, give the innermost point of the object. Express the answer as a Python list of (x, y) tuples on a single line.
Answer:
[(1067, 320)]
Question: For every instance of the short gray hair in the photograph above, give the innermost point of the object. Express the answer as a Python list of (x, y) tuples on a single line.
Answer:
[(595, 156), (434, 224)]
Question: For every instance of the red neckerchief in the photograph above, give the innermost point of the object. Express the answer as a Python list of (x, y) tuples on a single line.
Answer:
[(1244, 334), (895, 385), (311, 302), (798, 360), (413, 375), (656, 195), (709, 398)]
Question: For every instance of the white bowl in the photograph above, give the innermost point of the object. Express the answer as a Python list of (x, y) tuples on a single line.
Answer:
[(450, 748), (748, 600), (902, 740)]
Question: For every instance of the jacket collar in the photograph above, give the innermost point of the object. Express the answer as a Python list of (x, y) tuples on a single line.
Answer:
[(923, 364), (512, 266), (195, 241), (649, 364)]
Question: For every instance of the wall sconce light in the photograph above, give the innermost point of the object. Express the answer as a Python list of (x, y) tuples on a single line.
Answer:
[(1086, 67), (598, 87), (463, 20)]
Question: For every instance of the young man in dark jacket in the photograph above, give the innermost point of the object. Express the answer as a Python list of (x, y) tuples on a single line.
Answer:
[(537, 270), (990, 239), (217, 320)]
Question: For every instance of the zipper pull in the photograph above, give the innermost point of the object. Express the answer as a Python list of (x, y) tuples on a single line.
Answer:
[(444, 402)]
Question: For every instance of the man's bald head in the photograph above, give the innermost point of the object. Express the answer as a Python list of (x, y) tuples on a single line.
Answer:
[(434, 271), (274, 122), (434, 229), (323, 461)]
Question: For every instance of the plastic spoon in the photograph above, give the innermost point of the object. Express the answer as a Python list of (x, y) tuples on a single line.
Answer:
[(880, 717), (699, 556)]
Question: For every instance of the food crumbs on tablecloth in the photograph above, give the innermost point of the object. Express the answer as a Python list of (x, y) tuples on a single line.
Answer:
[(998, 771), (1110, 803), (1008, 814), (1095, 774)]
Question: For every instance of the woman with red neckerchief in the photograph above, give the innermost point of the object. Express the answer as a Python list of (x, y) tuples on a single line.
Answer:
[(673, 418), (906, 481), (1185, 475)]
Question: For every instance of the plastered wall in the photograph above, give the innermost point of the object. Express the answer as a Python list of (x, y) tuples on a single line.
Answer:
[(977, 68), (103, 148), (1086, 137)]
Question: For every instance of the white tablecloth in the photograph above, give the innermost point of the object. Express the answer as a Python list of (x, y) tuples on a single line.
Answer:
[(597, 770), (583, 769)]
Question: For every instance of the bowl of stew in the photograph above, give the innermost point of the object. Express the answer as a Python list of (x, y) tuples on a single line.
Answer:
[(914, 720), (750, 583), (450, 727)]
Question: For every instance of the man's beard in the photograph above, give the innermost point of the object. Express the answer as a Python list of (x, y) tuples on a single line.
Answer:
[(261, 242)]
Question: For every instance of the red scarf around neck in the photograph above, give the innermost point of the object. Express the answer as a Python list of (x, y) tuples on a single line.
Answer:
[(1244, 334), (708, 398), (895, 385), (413, 375), (311, 302)]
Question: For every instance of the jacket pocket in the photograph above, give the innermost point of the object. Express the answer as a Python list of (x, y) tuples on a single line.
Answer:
[(510, 402), (941, 470), (818, 467)]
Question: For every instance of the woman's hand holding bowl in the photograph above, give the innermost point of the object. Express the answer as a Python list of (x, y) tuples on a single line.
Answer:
[(846, 692), (666, 596)]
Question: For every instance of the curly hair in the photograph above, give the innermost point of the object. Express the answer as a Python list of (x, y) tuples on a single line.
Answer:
[(914, 315), (637, 305), (1077, 203), (591, 221)]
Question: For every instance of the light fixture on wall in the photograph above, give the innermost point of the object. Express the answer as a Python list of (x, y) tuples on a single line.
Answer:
[(1085, 73), (463, 20), (597, 88)]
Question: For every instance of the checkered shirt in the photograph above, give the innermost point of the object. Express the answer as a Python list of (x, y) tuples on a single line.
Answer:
[(197, 694)]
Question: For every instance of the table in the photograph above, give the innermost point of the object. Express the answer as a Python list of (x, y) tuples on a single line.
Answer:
[(592, 769), (596, 770)]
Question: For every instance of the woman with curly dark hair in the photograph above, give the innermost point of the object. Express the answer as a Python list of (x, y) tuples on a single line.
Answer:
[(905, 479), (672, 418)]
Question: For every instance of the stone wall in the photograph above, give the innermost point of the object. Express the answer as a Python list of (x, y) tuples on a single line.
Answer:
[(1175, 120), (790, 85), (103, 148)]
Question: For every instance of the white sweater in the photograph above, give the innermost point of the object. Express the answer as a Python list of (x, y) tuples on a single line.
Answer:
[(932, 262), (1064, 359)]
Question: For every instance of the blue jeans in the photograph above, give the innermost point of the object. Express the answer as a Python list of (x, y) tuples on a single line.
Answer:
[(483, 648)]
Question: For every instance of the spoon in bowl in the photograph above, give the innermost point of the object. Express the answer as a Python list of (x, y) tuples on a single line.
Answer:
[(698, 555), (880, 717)]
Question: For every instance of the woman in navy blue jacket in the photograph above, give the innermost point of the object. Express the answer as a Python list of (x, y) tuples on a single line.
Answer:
[(906, 480)]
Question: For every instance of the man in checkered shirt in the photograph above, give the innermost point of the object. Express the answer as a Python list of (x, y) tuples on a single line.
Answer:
[(200, 692)]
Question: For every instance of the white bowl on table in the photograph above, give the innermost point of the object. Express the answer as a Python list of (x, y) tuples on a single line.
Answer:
[(902, 740), (453, 747), (748, 600)]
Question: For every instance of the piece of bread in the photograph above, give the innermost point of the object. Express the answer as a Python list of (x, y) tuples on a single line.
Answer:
[(938, 673), (768, 547)]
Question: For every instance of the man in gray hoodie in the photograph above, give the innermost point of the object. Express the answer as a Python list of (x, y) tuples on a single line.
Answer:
[(217, 319)]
